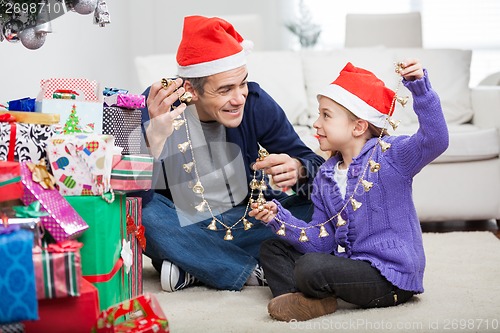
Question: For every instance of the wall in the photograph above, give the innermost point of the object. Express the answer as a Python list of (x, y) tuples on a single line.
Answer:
[(78, 48)]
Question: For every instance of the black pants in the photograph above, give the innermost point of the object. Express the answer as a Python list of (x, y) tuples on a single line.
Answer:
[(322, 275)]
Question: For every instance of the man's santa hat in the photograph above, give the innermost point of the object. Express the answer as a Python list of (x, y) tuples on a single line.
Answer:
[(210, 46), (362, 93)]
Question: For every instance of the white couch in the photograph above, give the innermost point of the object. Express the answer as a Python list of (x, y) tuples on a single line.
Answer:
[(462, 184)]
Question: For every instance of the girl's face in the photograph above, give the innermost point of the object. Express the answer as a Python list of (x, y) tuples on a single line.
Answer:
[(334, 126)]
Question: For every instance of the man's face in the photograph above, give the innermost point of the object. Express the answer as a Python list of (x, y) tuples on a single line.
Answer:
[(224, 97)]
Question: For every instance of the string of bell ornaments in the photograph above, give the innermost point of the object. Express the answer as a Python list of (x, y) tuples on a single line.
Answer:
[(29, 21)]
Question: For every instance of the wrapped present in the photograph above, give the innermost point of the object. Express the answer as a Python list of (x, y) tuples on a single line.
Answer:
[(132, 172), (127, 101), (69, 314), (63, 222), (22, 142), (137, 239), (30, 224), (111, 91), (81, 163), (146, 316), (17, 276), (88, 101), (125, 126), (24, 104), (106, 255), (58, 270), (10, 181), (34, 117)]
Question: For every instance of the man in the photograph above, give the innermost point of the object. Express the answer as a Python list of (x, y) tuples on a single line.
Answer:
[(206, 153)]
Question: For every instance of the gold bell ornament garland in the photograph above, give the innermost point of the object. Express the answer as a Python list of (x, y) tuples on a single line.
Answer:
[(257, 187), (372, 165)]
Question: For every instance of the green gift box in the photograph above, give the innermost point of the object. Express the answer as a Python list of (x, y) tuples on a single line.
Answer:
[(104, 252)]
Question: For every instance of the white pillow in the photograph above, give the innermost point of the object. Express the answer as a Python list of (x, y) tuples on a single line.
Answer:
[(153, 68), (280, 74), (449, 74)]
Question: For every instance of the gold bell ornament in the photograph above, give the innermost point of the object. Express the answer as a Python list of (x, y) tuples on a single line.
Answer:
[(303, 237), (323, 232), (281, 231), (229, 235)]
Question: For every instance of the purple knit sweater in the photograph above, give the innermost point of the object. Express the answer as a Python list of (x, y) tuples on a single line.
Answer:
[(385, 230)]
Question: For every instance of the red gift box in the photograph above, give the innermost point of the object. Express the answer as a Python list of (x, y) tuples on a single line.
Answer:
[(145, 313), (69, 314), (135, 234), (10, 181)]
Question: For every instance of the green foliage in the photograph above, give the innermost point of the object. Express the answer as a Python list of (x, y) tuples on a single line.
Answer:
[(305, 29)]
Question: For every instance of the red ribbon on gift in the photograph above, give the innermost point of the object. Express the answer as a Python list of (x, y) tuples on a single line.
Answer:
[(8, 118), (138, 232), (65, 246), (105, 277)]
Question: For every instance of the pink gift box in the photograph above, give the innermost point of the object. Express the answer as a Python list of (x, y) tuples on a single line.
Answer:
[(63, 222), (128, 101)]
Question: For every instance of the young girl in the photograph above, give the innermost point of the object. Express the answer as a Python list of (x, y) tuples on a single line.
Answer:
[(364, 243)]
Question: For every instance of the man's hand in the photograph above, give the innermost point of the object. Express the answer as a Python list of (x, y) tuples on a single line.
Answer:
[(284, 170), (159, 104)]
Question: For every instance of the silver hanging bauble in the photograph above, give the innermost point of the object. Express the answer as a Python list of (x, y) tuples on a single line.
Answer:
[(11, 30), (31, 39), (84, 7)]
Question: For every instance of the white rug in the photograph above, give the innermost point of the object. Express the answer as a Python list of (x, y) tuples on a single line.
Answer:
[(462, 293)]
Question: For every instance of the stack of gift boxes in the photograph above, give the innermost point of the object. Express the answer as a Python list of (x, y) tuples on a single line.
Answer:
[(71, 236)]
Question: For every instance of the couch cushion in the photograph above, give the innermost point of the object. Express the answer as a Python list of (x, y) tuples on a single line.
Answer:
[(467, 143), (449, 73), (153, 68), (280, 74)]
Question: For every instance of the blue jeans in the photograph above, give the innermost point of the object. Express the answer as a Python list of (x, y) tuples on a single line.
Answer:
[(321, 275), (204, 253)]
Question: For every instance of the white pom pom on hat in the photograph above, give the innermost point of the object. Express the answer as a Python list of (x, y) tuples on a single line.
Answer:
[(362, 93), (210, 45)]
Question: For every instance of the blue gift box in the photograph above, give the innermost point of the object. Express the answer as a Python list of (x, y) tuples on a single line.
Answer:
[(24, 104), (17, 277)]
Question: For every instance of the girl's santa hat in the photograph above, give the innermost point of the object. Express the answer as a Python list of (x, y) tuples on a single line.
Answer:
[(362, 93), (210, 46)]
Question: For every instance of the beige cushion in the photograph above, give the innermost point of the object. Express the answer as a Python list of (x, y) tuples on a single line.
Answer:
[(449, 72), (280, 74), (467, 143), (153, 68)]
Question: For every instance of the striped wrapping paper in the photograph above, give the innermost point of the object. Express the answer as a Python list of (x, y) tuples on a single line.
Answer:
[(132, 172), (58, 270), (135, 234)]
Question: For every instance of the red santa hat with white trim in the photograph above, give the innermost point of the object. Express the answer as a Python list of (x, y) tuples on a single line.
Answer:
[(362, 93), (210, 46)]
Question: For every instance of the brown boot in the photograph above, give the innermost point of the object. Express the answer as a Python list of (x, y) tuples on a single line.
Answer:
[(296, 306)]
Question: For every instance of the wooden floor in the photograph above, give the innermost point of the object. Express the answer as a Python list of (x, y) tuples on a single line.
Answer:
[(448, 226)]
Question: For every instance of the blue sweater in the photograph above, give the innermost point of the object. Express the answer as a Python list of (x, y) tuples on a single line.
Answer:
[(263, 122), (385, 230)]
